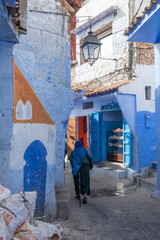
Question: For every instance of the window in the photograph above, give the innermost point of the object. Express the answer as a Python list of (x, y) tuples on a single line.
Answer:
[(106, 38), (23, 112), (28, 111), (148, 93), (87, 105), (106, 47), (19, 110)]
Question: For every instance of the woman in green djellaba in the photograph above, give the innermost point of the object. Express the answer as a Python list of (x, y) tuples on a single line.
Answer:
[(81, 161)]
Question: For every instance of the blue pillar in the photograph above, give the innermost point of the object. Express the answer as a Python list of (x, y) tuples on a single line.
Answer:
[(157, 104)]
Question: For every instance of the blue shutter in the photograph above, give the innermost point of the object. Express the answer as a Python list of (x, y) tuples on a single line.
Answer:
[(89, 134), (95, 136), (127, 144)]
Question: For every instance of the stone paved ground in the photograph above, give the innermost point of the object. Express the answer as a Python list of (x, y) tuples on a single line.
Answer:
[(116, 210)]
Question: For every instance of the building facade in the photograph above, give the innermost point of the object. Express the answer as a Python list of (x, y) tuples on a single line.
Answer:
[(146, 30), (36, 98), (114, 107)]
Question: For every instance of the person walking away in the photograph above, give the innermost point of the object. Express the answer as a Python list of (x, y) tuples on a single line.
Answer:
[(81, 161)]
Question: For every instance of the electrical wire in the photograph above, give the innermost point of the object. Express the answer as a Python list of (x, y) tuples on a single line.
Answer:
[(82, 17), (138, 10), (51, 12), (54, 33)]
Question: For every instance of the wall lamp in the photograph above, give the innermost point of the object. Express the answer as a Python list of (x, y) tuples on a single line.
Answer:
[(91, 48)]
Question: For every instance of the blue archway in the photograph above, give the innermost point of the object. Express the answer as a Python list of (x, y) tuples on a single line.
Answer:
[(35, 172)]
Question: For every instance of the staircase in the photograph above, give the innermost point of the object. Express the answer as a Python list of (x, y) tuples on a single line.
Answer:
[(109, 169), (148, 178)]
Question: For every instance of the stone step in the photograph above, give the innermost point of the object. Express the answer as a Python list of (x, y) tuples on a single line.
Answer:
[(149, 183), (109, 172), (63, 204), (150, 172)]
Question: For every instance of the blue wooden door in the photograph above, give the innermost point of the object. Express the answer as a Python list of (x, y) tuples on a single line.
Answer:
[(95, 136), (127, 144)]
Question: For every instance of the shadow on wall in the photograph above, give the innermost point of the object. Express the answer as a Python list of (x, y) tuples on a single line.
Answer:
[(35, 172)]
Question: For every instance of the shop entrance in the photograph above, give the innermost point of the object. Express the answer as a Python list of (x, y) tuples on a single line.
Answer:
[(118, 138), (111, 137), (77, 130)]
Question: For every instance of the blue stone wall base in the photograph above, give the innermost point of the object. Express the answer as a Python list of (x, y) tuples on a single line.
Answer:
[(156, 194)]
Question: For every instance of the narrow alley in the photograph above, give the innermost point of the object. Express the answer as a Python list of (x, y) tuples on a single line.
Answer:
[(116, 210), (80, 92)]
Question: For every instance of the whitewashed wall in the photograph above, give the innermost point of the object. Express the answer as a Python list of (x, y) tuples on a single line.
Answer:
[(103, 67), (144, 77), (30, 132)]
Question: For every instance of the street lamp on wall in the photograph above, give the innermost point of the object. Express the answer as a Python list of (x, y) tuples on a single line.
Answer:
[(91, 48)]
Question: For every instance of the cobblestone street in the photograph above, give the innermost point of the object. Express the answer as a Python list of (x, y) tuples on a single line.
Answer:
[(116, 210)]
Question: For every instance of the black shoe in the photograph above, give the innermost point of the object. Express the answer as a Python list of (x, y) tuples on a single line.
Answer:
[(77, 196), (84, 200)]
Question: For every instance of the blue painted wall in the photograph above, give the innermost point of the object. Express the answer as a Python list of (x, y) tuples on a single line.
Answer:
[(147, 30), (129, 112), (146, 139), (10, 3), (68, 65), (98, 102), (47, 69), (157, 101), (109, 125), (6, 105)]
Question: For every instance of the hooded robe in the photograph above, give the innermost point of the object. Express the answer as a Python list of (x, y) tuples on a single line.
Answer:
[(80, 159)]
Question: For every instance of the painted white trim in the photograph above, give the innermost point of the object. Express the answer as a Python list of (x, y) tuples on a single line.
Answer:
[(24, 134)]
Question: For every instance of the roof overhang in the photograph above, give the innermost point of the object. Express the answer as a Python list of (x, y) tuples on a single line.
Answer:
[(95, 87), (71, 5), (147, 30), (95, 19)]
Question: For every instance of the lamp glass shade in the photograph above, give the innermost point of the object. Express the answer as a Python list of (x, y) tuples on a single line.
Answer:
[(85, 52), (93, 51), (91, 48)]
